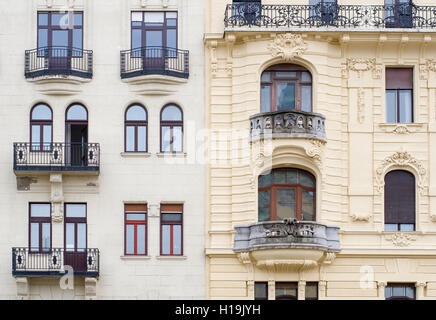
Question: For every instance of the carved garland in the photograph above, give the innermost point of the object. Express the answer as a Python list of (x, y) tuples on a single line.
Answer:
[(401, 239), (287, 46), (361, 65)]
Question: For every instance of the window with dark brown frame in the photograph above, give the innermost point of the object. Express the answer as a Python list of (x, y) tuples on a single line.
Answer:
[(135, 129), (311, 291), (261, 291), (171, 229), (399, 95), (41, 127), (286, 193), (40, 227), (286, 87), (171, 128), (75, 236), (135, 242), (400, 291), (286, 290), (399, 201)]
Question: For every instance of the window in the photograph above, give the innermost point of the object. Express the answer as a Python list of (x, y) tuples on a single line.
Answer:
[(171, 124), (399, 13), (399, 95), (399, 201), (261, 291), (286, 290), (135, 216), (171, 222), (76, 236), (136, 129), (286, 193), (40, 227), (76, 135), (41, 128), (286, 87), (400, 291), (311, 291)]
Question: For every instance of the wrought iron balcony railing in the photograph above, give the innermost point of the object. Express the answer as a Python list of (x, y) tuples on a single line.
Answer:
[(155, 60), (288, 124), (58, 61), (53, 262), (56, 156), (331, 16)]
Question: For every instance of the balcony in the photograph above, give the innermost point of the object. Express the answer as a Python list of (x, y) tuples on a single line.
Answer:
[(287, 242), (53, 261), (56, 157), (330, 17), (58, 61), (155, 61), (288, 124)]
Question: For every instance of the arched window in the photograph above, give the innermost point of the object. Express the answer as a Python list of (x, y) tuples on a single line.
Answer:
[(77, 112), (399, 201), (171, 125), (76, 135), (286, 193), (41, 127), (136, 129), (286, 87)]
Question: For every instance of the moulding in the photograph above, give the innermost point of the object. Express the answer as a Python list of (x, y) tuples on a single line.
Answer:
[(401, 239), (59, 84), (287, 46), (154, 84)]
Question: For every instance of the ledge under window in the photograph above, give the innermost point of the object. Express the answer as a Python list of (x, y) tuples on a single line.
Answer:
[(171, 257), (135, 257), (172, 154), (135, 154)]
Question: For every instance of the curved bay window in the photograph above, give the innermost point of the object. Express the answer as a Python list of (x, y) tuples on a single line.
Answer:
[(286, 193), (41, 128), (171, 126), (136, 129), (286, 87)]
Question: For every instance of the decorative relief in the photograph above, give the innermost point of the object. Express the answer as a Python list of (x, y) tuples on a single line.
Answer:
[(361, 105), (287, 46), (360, 65), (213, 58), (315, 151), (401, 159), (400, 239), (359, 217)]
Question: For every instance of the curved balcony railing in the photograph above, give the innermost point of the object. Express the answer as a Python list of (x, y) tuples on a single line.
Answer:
[(53, 262), (155, 60), (56, 156), (286, 234), (288, 124), (58, 61), (331, 16)]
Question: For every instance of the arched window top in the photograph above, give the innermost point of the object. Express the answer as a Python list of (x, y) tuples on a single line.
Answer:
[(136, 113), (171, 112), (41, 112), (77, 112), (287, 176)]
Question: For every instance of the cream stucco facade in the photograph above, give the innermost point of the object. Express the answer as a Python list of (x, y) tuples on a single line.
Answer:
[(348, 70), (149, 178)]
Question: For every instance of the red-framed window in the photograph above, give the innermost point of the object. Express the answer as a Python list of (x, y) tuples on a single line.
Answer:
[(171, 127), (171, 229), (41, 127), (135, 131), (135, 229), (40, 227)]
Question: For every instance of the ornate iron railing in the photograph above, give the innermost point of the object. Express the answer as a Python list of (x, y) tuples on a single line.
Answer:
[(58, 61), (56, 156), (330, 16), (52, 262), (155, 60), (288, 124), (286, 234)]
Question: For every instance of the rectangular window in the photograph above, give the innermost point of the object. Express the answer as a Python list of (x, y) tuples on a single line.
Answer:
[(400, 291), (399, 95), (171, 229), (311, 291), (286, 290), (40, 227), (135, 216), (261, 291)]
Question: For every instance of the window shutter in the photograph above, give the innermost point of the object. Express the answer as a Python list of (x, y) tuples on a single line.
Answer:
[(136, 208), (171, 207), (399, 78), (399, 197)]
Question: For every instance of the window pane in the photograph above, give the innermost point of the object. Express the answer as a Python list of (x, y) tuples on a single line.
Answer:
[(166, 138), (40, 210), (265, 180), (311, 291), (135, 217), (285, 204), (171, 113), (407, 227), (306, 179), (410, 292), (153, 39), (286, 290), (171, 22), (388, 292), (136, 113), (391, 106), (266, 76), (166, 239), (154, 17), (137, 16), (398, 291), (140, 245), (279, 176), (391, 227), (69, 237), (60, 19), (308, 207), (261, 291), (177, 239), (36, 138), (306, 98), (46, 244), (142, 138), (171, 217), (172, 38), (171, 15), (306, 77), (177, 139), (78, 19), (42, 39), (264, 205), (43, 19), (77, 40), (34, 236), (265, 98), (47, 135), (77, 112), (291, 176), (286, 74), (81, 236), (59, 39), (41, 112), (405, 106), (136, 38), (130, 238), (285, 96), (76, 210), (130, 138)]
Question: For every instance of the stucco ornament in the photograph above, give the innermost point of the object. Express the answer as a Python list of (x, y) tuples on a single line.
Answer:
[(315, 151), (287, 46), (400, 239), (401, 159), (361, 65)]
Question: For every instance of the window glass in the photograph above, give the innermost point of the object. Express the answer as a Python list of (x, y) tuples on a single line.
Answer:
[(172, 38), (135, 216), (34, 236), (311, 291), (265, 180), (69, 237), (142, 138), (78, 19), (286, 291), (77, 40), (140, 239), (166, 138), (261, 291), (279, 176), (171, 217), (130, 138), (76, 210), (405, 97), (153, 39), (41, 112), (136, 38), (266, 76), (60, 19), (40, 210), (264, 205), (308, 201), (306, 98), (36, 137), (285, 204), (46, 244), (130, 238), (391, 106), (60, 39), (166, 240), (265, 97), (43, 19), (391, 227), (136, 113), (171, 15), (291, 176), (306, 179), (407, 227), (77, 112), (47, 134), (171, 113), (154, 17), (81, 236), (177, 139), (42, 39), (137, 16), (177, 239), (285, 96), (306, 77), (286, 74)]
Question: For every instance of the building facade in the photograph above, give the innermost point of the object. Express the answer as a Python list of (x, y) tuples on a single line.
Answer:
[(321, 175), (99, 103)]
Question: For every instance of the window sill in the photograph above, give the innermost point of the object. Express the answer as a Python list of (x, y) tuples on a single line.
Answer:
[(172, 154), (400, 127), (135, 257), (171, 257), (135, 154)]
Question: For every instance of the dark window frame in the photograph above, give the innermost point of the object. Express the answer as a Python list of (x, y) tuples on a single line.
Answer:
[(289, 285), (263, 283), (136, 124), (397, 88), (171, 223), (315, 284), (40, 221), (401, 285), (41, 124), (135, 223), (172, 124), (75, 221)]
